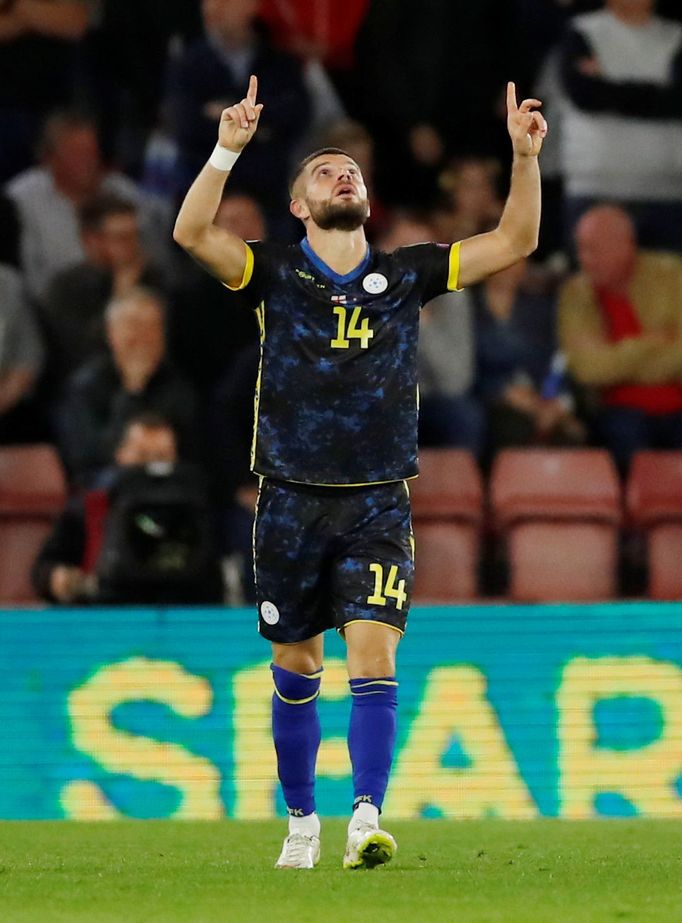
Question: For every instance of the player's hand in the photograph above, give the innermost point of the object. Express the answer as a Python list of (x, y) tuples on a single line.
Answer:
[(238, 124), (527, 128)]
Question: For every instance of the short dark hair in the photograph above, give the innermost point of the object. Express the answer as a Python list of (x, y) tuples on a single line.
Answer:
[(309, 159), (63, 120), (94, 213)]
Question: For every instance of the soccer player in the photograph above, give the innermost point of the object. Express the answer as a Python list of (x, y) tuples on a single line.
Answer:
[(335, 439)]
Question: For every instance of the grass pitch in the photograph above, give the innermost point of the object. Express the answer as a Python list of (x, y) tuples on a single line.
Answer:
[(470, 872)]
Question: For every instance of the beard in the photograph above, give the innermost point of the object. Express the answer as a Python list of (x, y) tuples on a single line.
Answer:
[(339, 216)]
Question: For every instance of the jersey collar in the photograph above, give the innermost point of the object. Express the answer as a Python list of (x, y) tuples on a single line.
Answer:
[(322, 267)]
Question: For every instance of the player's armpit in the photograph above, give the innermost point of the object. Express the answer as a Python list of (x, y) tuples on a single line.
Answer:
[(223, 254)]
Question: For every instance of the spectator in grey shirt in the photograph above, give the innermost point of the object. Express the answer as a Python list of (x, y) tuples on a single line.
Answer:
[(21, 354), (48, 198), (449, 415)]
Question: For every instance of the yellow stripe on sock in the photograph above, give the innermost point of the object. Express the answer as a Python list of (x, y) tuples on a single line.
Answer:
[(295, 701)]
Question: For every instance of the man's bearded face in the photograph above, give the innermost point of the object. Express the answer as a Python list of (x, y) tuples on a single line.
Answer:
[(339, 216)]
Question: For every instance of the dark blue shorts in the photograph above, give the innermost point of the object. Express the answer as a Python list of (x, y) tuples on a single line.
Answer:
[(328, 556)]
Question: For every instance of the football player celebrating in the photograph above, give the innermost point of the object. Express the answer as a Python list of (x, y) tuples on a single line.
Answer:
[(335, 439)]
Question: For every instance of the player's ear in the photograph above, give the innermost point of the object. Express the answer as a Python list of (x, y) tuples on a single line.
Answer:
[(298, 209)]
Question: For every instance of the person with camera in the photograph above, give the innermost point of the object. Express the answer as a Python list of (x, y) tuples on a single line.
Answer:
[(141, 536)]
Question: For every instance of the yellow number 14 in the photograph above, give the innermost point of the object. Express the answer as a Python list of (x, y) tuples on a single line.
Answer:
[(388, 590), (351, 330)]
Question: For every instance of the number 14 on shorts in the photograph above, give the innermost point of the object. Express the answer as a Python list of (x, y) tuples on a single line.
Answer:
[(387, 587)]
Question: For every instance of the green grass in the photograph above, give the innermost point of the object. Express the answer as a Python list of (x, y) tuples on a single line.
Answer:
[(470, 872)]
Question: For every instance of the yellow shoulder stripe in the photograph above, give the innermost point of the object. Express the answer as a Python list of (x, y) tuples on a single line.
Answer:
[(248, 272), (453, 270)]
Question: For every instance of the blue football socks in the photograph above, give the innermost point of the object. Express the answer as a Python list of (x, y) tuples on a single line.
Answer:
[(371, 736), (296, 732)]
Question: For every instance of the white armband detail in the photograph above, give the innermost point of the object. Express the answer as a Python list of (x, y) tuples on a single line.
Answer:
[(222, 159)]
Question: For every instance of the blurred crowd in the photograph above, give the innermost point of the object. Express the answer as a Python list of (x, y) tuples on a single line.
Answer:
[(109, 108)]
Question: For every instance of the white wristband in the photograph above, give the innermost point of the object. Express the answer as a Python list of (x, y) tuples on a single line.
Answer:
[(222, 159)]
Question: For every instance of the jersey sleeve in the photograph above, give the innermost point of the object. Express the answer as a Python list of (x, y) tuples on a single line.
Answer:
[(257, 271), (437, 266)]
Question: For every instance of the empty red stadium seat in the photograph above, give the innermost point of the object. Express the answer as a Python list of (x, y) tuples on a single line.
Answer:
[(654, 505), (449, 485), (32, 494), (559, 511), (447, 510)]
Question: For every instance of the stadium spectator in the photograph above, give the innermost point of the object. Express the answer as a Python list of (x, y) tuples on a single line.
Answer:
[(115, 262), (408, 76), (125, 88), (211, 75), (622, 127), (208, 326), (48, 198), (140, 537), (134, 376), (318, 29), (234, 486), (515, 346), (448, 413), (472, 204), (620, 323), (37, 57), (21, 359)]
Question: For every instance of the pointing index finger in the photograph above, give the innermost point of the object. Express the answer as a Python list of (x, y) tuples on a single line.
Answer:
[(253, 90), (512, 105)]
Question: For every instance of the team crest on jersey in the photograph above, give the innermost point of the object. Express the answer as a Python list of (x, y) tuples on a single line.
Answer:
[(375, 283), (269, 613)]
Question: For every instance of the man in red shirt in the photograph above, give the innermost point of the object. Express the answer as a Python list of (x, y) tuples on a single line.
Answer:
[(620, 326)]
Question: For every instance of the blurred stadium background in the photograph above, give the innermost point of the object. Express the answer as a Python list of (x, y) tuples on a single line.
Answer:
[(542, 672)]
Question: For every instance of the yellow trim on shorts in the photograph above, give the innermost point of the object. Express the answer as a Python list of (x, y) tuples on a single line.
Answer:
[(453, 268), (271, 477), (248, 272), (370, 622)]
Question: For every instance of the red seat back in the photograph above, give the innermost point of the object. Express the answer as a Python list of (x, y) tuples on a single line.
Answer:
[(555, 484), (446, 562), (448, 487), (32, 494), (654, 489), (31, 481)]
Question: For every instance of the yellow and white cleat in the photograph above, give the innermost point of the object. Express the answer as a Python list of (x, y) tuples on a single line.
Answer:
[(368, 847)]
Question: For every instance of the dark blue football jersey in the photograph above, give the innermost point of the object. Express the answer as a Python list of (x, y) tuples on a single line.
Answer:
[(336, 397)]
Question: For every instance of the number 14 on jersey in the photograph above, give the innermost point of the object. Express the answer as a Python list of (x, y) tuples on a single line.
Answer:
[(352, 329)]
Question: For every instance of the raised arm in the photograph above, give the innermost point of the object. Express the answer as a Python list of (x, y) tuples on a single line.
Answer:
[(516, 235), (223, 254)]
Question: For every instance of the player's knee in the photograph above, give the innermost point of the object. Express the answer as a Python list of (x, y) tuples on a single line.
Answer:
[(372, 664), (295, 659)]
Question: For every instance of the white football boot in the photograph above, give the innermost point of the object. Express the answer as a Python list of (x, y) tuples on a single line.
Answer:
[(368, 846), (299, 852)]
